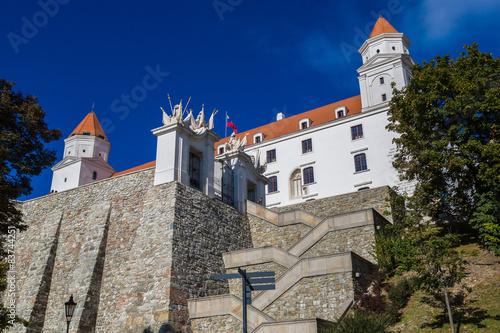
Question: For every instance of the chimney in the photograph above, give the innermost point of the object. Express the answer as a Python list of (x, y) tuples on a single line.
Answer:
[(280, 116)]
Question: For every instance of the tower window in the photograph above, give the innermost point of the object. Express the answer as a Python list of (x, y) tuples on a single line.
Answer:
[(308, 175), (273, 184), (394, 48), (94, 175), (384, 97), (378, 51), (307, 146), (357, 132), (65, 179), (83, 150), (360, 162), (381, 80)]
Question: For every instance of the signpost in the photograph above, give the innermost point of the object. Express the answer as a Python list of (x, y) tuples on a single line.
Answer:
[(250, 282)]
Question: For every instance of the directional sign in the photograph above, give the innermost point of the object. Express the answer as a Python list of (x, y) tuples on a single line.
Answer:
[(250, 282)]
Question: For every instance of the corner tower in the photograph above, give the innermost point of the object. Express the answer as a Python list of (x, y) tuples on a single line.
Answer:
[(386, 59), (85, 159)]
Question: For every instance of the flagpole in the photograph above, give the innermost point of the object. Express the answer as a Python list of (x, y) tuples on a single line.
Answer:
[(225, 120)]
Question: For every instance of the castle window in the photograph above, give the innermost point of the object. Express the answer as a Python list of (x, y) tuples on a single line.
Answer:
[(257, 137), (307, 146), (304, 123), (194, 170), (65, 179), (381, 80), (378, 51), (94, 175), (394, 48), (271, 156), (221, 150), (360, 162), (357, 132), (308, 175), (384, 97), (83, 150), (273, 184), (341, 111)]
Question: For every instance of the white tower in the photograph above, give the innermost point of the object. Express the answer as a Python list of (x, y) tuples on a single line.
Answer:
[(385, 60), (85, 159)]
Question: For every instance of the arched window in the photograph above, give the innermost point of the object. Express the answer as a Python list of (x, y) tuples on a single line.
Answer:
[(296, 184), (94, 175)]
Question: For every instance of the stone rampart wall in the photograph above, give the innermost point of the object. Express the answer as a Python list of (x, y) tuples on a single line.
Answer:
[(265, 233), (130, 252), (344, 203), (359, 240)]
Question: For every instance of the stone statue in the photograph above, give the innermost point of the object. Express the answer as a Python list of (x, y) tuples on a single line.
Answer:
[(235, 144), (198, 125), (261, 168)]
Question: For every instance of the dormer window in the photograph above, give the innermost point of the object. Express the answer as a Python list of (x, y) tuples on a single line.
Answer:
[(258, 137), (221, 149), (304, 123), (86, 133), (340, 112)]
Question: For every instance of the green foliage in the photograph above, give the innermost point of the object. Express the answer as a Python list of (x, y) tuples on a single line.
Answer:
[(400, 293), (394, 251), (359, 321), (448, 119), (23, 133)]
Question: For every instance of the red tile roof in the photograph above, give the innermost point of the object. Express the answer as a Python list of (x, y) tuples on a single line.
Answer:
[(137, 168), (285, 126), (381, 27), (289, 125), (91, 125)]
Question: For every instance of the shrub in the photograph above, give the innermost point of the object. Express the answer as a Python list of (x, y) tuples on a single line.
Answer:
[(358, 321), (401, 292), (372, 303)]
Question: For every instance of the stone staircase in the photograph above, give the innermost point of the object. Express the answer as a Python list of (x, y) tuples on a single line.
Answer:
[(321, 265)]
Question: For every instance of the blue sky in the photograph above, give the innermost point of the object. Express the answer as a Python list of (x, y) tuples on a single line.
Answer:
[(252, 59)]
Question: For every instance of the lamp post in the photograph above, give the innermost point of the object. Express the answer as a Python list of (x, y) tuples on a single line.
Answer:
[(69, 308)]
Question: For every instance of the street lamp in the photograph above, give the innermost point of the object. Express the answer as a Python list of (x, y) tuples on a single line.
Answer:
[(69, 306)]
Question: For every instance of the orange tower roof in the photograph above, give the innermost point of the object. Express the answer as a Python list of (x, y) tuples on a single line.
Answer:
[(381, 27), (90, 126)]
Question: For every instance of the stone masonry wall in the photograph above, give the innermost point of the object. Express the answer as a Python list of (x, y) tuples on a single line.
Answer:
[(349, 202), (204, 228), (130, 252), (358, 240), (265, 233), (218, 324), (318, 296)]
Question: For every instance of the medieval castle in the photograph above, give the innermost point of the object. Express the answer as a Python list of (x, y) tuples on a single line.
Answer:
[(138, 249)]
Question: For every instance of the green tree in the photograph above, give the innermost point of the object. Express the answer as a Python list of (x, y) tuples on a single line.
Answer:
[(23, 133), (448, 119)]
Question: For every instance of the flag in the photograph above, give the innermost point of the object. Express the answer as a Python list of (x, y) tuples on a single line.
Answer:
[(230, 124)]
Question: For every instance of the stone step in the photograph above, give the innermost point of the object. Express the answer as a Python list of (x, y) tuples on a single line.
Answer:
[(223, 305), (308, 267), (281, 219)]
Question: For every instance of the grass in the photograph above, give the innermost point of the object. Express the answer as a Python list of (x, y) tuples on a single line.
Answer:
[(477, 310)]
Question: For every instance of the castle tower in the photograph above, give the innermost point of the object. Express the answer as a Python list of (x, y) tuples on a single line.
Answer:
[(85, 159), (385, 60)]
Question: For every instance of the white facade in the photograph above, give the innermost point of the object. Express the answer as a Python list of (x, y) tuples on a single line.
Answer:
[(328, 166)]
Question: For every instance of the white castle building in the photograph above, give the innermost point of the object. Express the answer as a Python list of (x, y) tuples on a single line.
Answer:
[(337, 148)]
